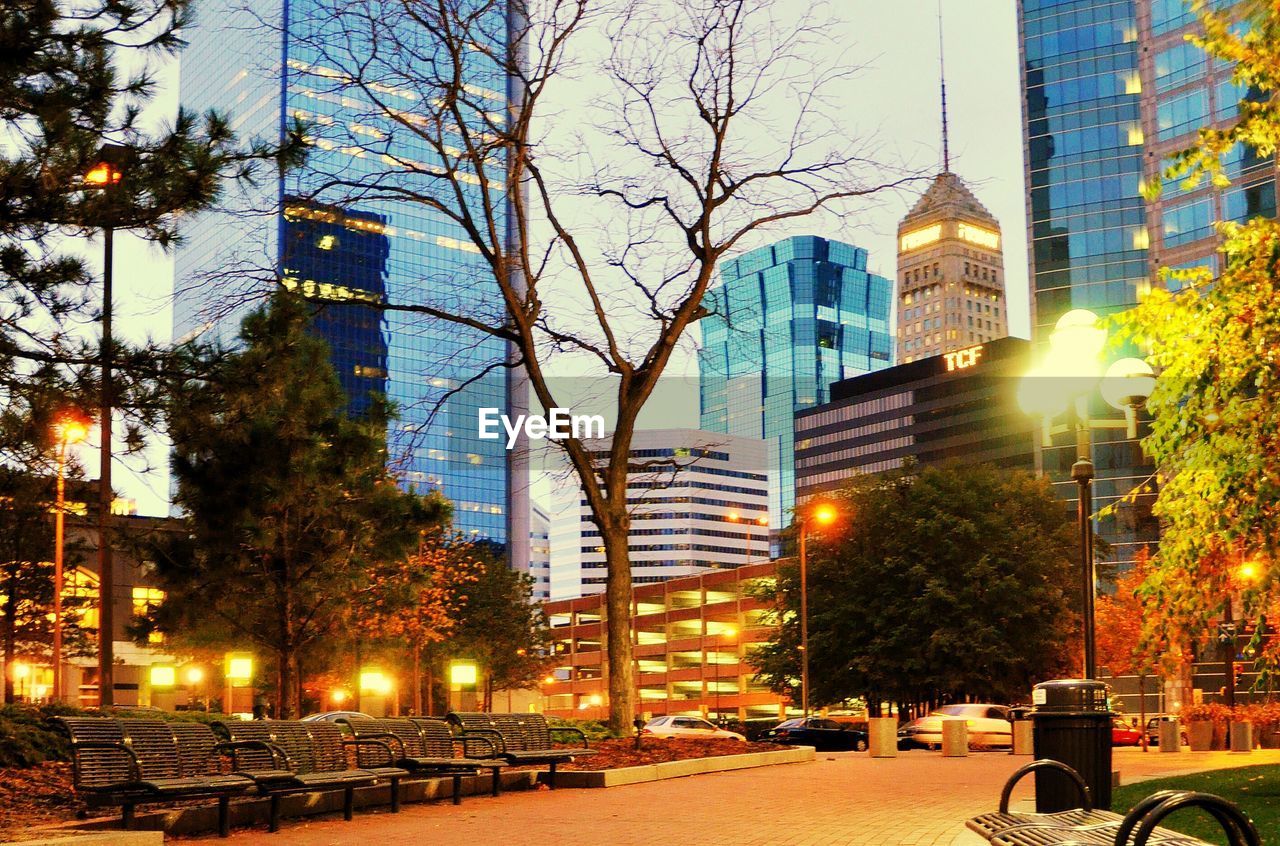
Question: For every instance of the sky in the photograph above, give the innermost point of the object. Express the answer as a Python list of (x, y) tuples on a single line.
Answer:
[(893, 98)]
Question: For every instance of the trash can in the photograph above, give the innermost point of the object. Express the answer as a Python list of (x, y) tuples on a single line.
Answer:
[(1071, 722)]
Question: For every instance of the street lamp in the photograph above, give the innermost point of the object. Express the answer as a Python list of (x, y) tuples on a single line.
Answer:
[(731, 633), (824, 514), (67, 431), (1064, 380), (1246, 573), (106, 173), (734, 517)]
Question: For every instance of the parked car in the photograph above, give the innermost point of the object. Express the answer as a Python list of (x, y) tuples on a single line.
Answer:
[(1123, 733), (334, 716), (687, 727), (822, 734), (988, 726), (1153, 730)]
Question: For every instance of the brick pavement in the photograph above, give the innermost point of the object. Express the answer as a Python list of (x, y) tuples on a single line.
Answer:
[(847, 799)]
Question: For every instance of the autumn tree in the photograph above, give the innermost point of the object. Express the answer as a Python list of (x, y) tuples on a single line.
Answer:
[(287, 501), (1214, 341), (932, 586), (708, 124)]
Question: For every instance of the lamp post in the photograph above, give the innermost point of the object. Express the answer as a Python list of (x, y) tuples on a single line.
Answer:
[(734, 517), (1247, 572), (67, 431), (1065, 379), (823, 515), (106, 174), (731, 633)]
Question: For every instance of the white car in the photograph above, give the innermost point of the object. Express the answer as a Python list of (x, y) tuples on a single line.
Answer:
[(687, 727), (988, 726)]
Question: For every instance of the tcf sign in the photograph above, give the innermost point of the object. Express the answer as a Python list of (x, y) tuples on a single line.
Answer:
[(963, 359)]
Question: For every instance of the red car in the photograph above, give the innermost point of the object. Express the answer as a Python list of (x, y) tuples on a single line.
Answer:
[(1123, 734)]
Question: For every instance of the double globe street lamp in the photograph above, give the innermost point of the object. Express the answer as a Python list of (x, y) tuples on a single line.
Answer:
[(1063, 382)]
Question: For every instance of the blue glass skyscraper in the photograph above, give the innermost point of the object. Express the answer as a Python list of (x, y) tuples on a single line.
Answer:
[(785, 322), (323, 230), (1111, 88)]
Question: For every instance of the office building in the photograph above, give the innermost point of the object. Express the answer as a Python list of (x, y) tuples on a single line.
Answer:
[(698, 501), (950, 273), (694, 637), (540, 554), (956, 408), (785, 322), (352, 250)]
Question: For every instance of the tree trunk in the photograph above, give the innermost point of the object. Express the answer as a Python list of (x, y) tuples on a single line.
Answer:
[(290, 704), (618, 628), (431, 689), (417, 679), (10, 634)]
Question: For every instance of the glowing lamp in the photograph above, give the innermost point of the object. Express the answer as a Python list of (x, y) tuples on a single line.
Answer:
[(195, 675), (1248, 571), (69, 430), (824, 515), (163, 676), (239, 668), (549, 680), (595, 700), (102, 174), (20, 670), (1126, 386), (763, 521), (338, 696), (463, 673), (729, 631), (375, 681), (1078, 336)]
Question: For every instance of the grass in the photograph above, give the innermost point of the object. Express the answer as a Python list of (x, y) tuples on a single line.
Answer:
[(1256, 790)]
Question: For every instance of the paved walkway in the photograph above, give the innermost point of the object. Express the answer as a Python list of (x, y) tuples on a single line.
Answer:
[(846, 799)]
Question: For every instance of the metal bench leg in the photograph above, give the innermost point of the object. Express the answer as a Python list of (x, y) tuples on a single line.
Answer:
[(552, 780), (457, 788), (126, 816), (273, 821), (497, 781), (395, 794), (348, 803), (224, 816)]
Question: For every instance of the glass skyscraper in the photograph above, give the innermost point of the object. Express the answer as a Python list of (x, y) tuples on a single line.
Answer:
[(785, 322), (1111, 87), (336, 230)]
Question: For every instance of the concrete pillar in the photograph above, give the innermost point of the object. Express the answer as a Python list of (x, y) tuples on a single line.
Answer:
[(1242, 736), (882, 737), (1170, 735), (1022, 734), (955, 738)]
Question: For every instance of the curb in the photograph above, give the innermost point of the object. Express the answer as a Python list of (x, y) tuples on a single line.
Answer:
[(679, 769)]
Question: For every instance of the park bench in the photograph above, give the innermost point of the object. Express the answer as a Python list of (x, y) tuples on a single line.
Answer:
[(127, 763), (1089, 826), (315, 755), (523, 738), (427, 747)]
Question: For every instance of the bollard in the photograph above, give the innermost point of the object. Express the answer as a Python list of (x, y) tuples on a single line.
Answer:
[(955, 738), (1170, 737), (882, 737), (1022, 734), (1242, 736)]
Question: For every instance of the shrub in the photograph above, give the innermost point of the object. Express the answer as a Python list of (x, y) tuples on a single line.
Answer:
[(1213, 712), (28, 735), (593, 729)]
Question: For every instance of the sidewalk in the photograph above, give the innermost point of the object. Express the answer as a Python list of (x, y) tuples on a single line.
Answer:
[(844, 799)]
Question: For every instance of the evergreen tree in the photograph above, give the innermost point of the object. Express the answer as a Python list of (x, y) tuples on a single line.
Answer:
[(287, 501), (933, 586)]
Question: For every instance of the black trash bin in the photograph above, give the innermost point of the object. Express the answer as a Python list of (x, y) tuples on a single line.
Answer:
[(1071, 723)]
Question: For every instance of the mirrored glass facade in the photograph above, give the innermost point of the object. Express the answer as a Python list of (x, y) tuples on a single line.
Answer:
[(785, 322), (323, 230)]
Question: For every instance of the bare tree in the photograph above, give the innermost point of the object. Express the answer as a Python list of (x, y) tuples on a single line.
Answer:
[(710, 122)]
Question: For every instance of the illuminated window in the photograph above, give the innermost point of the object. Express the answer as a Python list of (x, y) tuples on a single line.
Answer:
[(144, 599)]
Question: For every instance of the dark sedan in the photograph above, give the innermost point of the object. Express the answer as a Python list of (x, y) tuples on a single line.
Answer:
[(823, 735)]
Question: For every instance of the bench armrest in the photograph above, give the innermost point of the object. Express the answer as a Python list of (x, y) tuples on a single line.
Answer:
[(485, 742), (1086, 800), (571, 730), (135, 767), (365, 740), (1239, 829), (278, 757), (499, 743)]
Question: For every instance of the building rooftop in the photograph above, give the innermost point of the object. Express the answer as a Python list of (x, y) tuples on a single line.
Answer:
[(948, 196)]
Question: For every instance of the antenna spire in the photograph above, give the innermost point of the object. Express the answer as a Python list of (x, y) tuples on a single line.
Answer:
[(942, 73)]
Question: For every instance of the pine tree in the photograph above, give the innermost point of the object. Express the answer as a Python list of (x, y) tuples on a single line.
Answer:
[(287, 501)]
